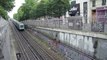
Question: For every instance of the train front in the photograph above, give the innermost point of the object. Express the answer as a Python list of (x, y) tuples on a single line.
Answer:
[(21, 27)]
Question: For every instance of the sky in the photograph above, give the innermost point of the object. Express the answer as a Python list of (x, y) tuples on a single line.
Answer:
[(17, 4)]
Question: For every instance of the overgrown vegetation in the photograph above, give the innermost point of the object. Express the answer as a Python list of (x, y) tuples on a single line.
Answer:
[(33, 9)]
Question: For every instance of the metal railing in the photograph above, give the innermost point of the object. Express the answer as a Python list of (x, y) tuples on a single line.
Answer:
[(73, 23)]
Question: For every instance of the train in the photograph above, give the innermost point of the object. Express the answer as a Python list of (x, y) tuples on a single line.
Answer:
[(20, 26)]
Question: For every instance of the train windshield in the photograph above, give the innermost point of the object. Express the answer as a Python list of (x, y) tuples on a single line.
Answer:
[(21, 26)]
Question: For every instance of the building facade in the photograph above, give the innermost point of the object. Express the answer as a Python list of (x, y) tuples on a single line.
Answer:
[(99, 11), (83, 9), (90, 10)]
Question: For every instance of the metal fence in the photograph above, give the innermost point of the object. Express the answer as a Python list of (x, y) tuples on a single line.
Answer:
[(97, 27), (74, 23)]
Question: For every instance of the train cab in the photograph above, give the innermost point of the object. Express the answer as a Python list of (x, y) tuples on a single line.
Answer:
[(21, 27)]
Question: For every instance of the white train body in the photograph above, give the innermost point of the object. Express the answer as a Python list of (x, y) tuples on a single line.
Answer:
[(19, 25)]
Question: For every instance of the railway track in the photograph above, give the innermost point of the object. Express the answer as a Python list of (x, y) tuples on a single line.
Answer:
[(44, 52), (29, 48), (26, 51), (20, 46), (80, 52), (53, 50)]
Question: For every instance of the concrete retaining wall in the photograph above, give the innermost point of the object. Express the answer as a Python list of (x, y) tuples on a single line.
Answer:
[(83, 43), (6, 47)]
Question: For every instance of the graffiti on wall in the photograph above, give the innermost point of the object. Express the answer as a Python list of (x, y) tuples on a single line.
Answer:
[(82, 42)]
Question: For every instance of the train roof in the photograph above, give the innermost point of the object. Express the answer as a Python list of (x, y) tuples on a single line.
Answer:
[(16, 21)]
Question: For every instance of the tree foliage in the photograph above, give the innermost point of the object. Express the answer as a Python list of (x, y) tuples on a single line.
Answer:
[(3, 13), (32, 9), (6, 6), (58, 8)]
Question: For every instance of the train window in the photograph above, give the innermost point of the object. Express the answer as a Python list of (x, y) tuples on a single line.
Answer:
[(21, 26)]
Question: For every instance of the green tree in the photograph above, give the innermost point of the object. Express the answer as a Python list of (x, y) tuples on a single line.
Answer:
[(6, 6), (3, 13), (15, 16), (25, 11), (33, 9), (40, 10), (58, 8)]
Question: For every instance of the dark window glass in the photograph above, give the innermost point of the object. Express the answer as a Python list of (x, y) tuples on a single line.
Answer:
[(106, 15), (21, 26), (93, 3), (85, 11), (103, 2)]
